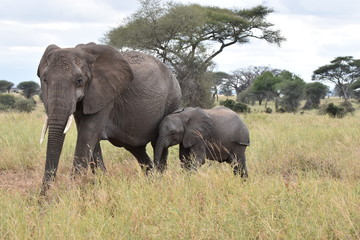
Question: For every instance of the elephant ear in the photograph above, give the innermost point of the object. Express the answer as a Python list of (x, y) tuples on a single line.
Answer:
[(44, 59), (198, 127), (42, 65), (110, 72)]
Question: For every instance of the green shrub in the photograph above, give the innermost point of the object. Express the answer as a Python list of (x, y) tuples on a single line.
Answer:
[(281, 110), (235, 106), (24, 105), (7, 101), (10, 102), (335, 111), (3, 107), (347, 106), (268, 110)]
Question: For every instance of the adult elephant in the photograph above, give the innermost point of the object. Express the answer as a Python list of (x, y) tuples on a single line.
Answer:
[(119, 97), (217, 134)]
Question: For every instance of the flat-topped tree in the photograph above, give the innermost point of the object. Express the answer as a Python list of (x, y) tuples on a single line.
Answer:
[(189, 37), (342, 71)]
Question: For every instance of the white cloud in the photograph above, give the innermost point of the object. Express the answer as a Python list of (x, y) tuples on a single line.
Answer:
[(27, 28), (316, 32), (65, 10)]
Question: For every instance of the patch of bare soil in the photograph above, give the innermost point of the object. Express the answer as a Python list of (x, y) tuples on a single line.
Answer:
[(20, 181), (29, 181)]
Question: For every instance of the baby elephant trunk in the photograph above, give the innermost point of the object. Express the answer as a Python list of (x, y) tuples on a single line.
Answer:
[(159, 158)]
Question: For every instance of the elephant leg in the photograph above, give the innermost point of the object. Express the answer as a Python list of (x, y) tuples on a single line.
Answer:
[(83, 156), (97, 160), (194, 157), (142, 157), (198, 152), (184, 155), (239, 163), (87, 146)]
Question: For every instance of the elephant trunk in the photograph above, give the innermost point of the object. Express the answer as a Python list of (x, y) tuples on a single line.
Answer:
[(59, 108), (159, 159), (54, 146)]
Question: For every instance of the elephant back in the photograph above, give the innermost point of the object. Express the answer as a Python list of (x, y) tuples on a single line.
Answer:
[(228, 126), (146, 69)]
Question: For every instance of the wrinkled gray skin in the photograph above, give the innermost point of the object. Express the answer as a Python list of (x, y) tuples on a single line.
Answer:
[(119, 97), (217, 134)]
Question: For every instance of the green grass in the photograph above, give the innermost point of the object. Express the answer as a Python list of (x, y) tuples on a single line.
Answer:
[(304, 184)]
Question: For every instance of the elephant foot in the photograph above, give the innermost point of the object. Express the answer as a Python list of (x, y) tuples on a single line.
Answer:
[(239, 170), (95, 165), (147, 169)]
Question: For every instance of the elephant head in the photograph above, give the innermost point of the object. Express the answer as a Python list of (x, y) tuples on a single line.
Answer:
[(187, 126), (83, 79)]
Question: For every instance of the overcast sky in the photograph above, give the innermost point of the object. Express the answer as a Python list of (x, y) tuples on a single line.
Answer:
[(317, 31)]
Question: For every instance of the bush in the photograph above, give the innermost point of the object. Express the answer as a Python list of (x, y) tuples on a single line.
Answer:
[(335, 111), (235, 106), (7, 101), (24, 105), (347, 106), (10, 102), (268, 110), (281, 110), (3, 107)]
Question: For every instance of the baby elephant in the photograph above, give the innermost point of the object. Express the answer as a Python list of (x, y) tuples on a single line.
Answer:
[(217, 134)]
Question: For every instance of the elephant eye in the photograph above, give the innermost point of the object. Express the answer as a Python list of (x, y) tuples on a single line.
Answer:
[(44, 80), (79, 82)]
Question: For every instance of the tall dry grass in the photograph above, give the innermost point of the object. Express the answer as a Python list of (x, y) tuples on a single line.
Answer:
[(304, 184)]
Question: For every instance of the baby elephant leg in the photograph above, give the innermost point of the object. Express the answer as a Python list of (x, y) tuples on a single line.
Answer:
[(192, 157), (184, 155), (239, 162)]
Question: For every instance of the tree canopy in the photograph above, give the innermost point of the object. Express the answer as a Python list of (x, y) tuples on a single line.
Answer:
[(5, 86), (29, 88), (314, 92), (355, 88), (285, 87), (188, 37), (291, 87), (242, 78), (342, 71), (264, 86)]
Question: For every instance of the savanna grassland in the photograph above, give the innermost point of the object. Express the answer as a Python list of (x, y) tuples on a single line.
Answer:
[(304, 183)]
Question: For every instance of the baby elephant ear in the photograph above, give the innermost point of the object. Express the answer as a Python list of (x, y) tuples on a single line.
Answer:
[(198, 127), (110, 72)]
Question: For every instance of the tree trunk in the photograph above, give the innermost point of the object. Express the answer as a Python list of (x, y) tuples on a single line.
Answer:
[(344, 90), (276, 104)]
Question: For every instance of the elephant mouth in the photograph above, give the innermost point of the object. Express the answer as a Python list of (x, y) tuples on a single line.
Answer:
[(46, 125)]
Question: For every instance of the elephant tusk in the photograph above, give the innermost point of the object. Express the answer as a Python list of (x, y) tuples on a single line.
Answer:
[(68, 124), (44, 129)]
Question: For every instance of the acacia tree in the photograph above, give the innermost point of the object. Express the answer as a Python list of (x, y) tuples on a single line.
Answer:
[(342, 71), (284, 87), (30, 88), (264, 86), (5, 86), (314, 93), (242, 78), (291, 88), (218, 87), (189, 37), (355, 88)]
